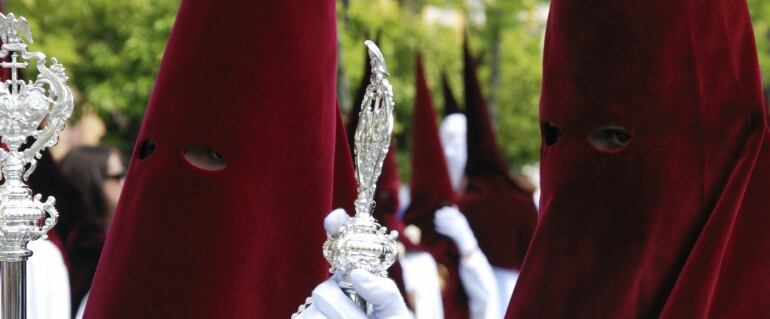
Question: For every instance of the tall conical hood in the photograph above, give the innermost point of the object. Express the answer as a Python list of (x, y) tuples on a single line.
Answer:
[(227, 190), (502, 214), (450, 103), (484, 155), (430, 185), (655, 165), (431, 190)]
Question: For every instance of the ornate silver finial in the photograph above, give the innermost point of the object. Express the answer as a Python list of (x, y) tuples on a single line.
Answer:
[(362, 243), (32, 114)]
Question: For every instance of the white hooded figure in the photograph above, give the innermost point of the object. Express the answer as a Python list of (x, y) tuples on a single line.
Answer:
[(48, 287), (476, 273)]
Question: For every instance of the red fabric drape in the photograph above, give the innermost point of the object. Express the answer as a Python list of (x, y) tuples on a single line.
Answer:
[(502, 214), (431, 190), (244, 241), (674, 224)]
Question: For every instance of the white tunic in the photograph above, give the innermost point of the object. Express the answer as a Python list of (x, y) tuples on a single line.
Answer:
[(506, 281), (421, 281), (478, 279)]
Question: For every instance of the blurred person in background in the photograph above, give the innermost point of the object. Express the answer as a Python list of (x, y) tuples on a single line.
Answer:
[(78, 235), (97, 173)]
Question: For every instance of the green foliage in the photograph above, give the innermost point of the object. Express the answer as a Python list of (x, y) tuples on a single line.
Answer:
[(112, 50), (760, 15)]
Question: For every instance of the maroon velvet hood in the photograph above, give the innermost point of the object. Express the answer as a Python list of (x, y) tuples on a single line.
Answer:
[(450, 103), (255, 82), (674, 225), (502, 214)]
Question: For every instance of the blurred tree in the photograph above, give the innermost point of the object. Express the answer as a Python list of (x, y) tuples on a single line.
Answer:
[(112, 50), (760, 15)]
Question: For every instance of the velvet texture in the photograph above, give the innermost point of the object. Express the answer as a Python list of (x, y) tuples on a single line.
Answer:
[(431, 190), (450, 103), (674, 224), (79, 231), (244, 241), (502, 214)]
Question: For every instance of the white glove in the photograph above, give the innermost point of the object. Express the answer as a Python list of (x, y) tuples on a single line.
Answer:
[(450, 222), (328, 300)]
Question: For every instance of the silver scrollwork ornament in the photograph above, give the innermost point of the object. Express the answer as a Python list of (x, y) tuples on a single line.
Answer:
[(32, 115), (362, 243)]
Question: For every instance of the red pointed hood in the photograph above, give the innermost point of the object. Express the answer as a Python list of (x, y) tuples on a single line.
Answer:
[(655, 165), (431, 190), (430, 185), (484, 155), (244, 241), (502, 214), (450, 103)]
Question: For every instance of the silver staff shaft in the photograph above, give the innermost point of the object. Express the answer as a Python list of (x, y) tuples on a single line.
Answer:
[(357, 299), (14, 288)]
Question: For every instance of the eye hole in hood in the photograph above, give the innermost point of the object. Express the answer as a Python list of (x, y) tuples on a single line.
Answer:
[(205, 158), (146, 148), (551, 133), (609, 138)]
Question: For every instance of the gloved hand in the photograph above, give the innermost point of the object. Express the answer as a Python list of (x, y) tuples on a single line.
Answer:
[(328, 300), (450, 222)]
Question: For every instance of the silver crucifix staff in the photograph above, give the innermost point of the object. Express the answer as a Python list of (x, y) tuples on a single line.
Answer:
[(32, 114), (362, 243)]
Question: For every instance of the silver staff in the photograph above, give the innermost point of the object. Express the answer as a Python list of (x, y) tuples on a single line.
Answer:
[(362, 243), (32, 114)]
